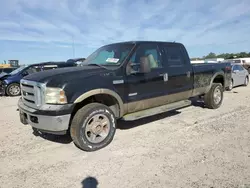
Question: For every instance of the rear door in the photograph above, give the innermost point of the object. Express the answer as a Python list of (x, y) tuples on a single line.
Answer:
[(179, 70)]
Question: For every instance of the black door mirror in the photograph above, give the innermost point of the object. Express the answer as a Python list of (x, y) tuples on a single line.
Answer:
[(144, 65), (25, 73)]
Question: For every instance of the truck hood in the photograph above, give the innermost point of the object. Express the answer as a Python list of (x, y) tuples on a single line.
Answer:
[(61, 76), (4, 76)]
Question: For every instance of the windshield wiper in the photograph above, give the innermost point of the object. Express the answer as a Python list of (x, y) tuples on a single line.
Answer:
[(97, 65)]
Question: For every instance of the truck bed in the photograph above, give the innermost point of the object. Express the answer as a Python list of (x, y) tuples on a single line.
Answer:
[(203, 74)]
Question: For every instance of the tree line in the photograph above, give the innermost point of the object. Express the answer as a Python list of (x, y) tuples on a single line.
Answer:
[(224, 55)]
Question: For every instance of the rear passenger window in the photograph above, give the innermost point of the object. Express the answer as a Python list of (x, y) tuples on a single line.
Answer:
[(174, 55)]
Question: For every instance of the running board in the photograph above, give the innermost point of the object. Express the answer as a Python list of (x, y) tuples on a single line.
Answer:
[(156, 110)]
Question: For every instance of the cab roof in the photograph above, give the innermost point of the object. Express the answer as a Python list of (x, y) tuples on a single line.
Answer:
[(144, 41)]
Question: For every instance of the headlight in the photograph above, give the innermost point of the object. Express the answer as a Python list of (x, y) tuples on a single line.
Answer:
[(2, 82), (55, 96)]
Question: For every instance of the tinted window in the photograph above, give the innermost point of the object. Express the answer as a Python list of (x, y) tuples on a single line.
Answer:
[(240, 67), (237, 67), (174, 55), (8, 70), (234, 68), (148, 52), (33, 69), (237, 61)]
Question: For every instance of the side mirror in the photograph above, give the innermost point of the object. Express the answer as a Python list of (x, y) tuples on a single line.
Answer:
[(24, 74), (144, 65)]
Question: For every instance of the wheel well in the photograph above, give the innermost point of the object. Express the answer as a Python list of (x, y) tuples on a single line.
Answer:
[(219, 79), (105, 99)]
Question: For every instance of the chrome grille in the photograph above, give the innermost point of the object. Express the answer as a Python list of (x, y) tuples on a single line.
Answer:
[(32, 93)]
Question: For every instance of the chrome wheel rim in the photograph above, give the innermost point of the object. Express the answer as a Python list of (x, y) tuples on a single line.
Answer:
[(97, 128), (231, 85), (14, 90), (246, 81), (217, 95)]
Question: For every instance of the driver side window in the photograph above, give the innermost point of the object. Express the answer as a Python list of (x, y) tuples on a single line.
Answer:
[(31, 70), (144, 53)]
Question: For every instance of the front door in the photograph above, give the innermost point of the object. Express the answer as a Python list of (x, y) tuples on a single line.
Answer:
[(145, 90), (180, 72)]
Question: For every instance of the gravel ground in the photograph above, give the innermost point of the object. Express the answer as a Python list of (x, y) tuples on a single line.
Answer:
[(192, 147)]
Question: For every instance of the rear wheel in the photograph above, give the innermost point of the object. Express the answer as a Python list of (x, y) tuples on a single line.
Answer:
[(213, 99), (93, 127), (13, 89), (246, 81)]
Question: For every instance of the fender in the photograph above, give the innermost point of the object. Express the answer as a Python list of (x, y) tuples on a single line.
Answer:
[(221, 73), (103, 91)]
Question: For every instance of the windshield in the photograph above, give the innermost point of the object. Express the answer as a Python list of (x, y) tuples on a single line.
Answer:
[(112, 54), (17, 70)]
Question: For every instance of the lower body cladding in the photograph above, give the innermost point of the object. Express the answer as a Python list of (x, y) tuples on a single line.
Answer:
[(49, 121)]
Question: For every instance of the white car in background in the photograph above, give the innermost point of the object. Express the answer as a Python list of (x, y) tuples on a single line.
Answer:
[(243, 62), (240, 76)]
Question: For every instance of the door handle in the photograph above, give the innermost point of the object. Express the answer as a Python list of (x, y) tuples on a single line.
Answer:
[(188, 74), (165, 76)]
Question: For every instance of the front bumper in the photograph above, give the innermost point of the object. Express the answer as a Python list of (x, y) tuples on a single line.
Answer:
[(50, 121), (2, 88)]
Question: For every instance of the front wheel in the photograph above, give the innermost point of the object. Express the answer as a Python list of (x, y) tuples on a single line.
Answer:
[(213, 99), (93, 127), (13, 90), (230, 87), (246, 81)]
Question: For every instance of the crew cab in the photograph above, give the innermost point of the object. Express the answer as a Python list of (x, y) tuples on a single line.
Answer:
[(10, 83), (127, 80)]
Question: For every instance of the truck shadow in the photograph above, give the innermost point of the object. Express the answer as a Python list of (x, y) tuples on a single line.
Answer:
[(62, 139), (197, 102), (123, 125)]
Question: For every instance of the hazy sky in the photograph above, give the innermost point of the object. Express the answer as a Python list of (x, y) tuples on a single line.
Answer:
[(42, 30)]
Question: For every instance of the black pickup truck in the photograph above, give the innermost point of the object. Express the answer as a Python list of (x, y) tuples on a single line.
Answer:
[(127, 80)]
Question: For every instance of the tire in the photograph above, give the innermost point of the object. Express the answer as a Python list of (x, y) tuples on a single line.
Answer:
[(246, 81), (230, 87), (213, 99), (86, 124), (13, 90)]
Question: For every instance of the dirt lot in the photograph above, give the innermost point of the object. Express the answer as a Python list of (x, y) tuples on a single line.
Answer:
[(193, 147)]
